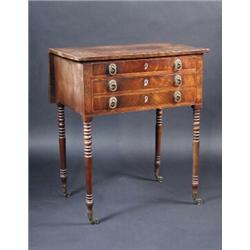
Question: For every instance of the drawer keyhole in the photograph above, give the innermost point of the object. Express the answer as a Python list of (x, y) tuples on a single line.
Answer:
[(145, 99), (146, 82)]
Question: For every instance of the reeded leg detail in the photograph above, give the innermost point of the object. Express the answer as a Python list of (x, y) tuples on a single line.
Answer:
[(158, 135), (87, 136), (196, 145), (62, 148)]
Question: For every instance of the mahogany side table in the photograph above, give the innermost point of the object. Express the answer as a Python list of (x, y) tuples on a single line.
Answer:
[(108, 80)]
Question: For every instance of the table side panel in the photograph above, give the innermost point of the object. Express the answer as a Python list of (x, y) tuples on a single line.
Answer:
[(69, 83), (51, 86)]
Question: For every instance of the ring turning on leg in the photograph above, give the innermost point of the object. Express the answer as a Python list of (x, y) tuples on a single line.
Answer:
[(158, 135), (62, 148), (196, 145), (87, 139)]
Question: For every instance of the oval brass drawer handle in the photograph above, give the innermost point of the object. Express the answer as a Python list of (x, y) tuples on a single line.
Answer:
[(177, 64), (112, 85), (177, 96), (177, 80), (112, 69), (112, 102)]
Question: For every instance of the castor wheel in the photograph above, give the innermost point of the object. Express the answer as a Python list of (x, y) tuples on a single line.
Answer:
[(92, 220), (65, 191), (159, 178), (198, 201), (67, 195)]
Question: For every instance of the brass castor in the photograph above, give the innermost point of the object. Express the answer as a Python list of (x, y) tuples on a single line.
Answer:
[(67, 195), (198, 201), (64, 190), (159, 178), (92, 220)]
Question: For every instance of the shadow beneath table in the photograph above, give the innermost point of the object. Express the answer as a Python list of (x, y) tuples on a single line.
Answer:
[(60, 224), (138, 177), (111, 176), (77, 191), (142, 205)]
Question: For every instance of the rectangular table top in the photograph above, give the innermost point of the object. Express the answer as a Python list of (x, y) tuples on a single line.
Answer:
[(114, 52)]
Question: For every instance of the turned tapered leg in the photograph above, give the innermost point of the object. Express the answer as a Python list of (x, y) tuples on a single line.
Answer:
[(158, 135), (196, 144), (87, 138), (62, 148)]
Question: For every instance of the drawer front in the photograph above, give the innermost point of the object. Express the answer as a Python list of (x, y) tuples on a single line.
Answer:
[(144, 101), (112, 85), (169, 65)]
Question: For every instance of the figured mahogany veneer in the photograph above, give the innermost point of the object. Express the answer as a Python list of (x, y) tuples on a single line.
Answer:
[(143, 83), (146, 65), (128, 102), (115, 79)]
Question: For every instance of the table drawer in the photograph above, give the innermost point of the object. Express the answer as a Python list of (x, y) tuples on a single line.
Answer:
[(171, 97), (168, 64), (112, 85)]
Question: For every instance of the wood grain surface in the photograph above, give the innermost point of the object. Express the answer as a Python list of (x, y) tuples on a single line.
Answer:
[(137, 101), (84, 86), (112, 52), (165, 64), (69, 83), (142, 83)]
